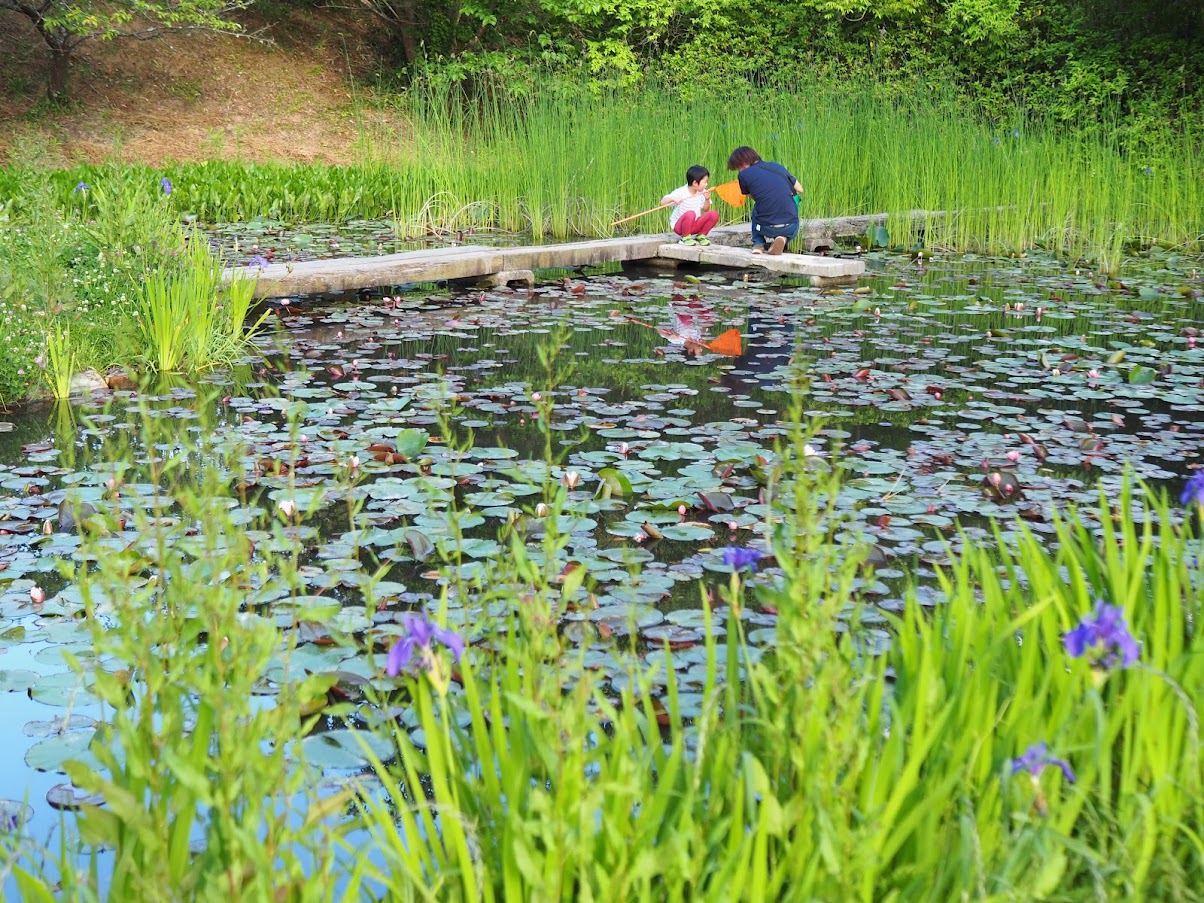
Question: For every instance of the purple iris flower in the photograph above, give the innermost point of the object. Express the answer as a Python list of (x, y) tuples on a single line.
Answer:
[(259, 261), (82, 186), (1107, 629), (739, 559), (1035, 760), (165, 184), (417, 644), (1194, 490)]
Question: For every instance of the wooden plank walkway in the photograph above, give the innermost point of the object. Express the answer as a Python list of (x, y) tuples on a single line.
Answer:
[(503, 265)]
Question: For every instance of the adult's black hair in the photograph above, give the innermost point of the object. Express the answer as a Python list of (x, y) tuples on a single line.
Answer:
[(743, 156)]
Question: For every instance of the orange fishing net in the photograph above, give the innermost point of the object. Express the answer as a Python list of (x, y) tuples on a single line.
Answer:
[(729, 192)]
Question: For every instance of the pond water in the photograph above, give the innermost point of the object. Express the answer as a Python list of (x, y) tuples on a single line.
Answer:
[(953, 392)]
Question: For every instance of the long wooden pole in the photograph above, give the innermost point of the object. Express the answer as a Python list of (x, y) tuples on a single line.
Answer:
[(643, 213), (661, 207)]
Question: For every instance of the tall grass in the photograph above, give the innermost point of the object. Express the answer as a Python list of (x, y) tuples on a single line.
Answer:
[(188, 318), (60, 362), (817, 766), (566, 159)]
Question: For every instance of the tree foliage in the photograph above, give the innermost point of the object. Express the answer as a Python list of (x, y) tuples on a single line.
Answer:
[(1077, 61), (65, 24)]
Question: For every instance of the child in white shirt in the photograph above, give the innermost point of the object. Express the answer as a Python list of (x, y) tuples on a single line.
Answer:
[(692, 217)]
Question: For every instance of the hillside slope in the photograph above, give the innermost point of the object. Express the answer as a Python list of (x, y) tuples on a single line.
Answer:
[(287, 96)]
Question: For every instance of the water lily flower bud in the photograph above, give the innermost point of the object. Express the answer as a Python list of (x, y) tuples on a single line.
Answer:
[(287, 507), (541, 510), (571, 479), (37, 595), (536, 397)]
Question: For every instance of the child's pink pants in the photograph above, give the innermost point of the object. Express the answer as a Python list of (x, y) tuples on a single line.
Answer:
[(693, 224)]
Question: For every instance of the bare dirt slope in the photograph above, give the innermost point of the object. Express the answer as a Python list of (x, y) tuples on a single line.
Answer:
[(194, 96)]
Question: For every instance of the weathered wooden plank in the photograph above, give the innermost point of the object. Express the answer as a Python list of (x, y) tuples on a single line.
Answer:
[(830, 270), (582, 253), (312, 277)]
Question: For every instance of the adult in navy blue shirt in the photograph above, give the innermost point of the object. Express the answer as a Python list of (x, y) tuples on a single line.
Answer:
[(772, 188)]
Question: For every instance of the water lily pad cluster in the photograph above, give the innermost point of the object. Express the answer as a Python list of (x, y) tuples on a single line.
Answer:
[(405, 444)]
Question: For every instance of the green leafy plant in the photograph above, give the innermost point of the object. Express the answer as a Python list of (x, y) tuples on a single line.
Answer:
[(188, 318), (60, 363)]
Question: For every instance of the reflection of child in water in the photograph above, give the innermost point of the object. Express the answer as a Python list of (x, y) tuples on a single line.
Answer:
[(689, 319)]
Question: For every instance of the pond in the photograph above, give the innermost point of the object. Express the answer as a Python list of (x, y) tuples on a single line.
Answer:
[(955, 395)]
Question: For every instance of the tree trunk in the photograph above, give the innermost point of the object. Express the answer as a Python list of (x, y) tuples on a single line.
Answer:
[(60, 65), (409, 47)]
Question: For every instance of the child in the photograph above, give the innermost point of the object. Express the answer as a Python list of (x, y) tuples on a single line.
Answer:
[(692, 217), (773, 190)]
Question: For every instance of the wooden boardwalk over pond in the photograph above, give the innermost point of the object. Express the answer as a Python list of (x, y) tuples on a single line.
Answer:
[(478, 263)]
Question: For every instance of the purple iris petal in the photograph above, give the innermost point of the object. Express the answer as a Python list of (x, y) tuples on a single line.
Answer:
[(451, 640), (165, 184), (1194, 490), (1106, 629), (82, 186), (416, 644), (738, 559), (1037, 758), (258, 261), (399, 656), (1079, 640)]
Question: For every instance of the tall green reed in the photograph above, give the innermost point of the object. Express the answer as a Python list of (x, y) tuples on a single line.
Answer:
[(565, 159), (189, 318), (60, 362)]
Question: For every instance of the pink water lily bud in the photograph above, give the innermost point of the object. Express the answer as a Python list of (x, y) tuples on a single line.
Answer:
[(536, 397), (624, 450), (1191, 341), (571, 479), (1013, 455), (1093, 374), (37, 595)]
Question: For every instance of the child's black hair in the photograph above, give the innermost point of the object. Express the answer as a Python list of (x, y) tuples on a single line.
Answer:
[(696, 173), (743, 156)]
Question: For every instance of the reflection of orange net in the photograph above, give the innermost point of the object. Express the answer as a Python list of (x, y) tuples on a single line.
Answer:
[(729, 192), (726, 343)]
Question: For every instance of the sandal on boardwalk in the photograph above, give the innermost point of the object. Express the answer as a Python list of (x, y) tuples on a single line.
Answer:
[(778, 246), (758, 249)]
